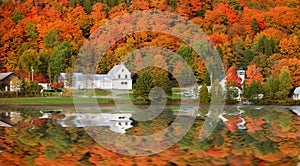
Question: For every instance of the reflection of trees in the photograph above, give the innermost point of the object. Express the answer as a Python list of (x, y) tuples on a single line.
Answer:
[(59, 136), (276, 142)]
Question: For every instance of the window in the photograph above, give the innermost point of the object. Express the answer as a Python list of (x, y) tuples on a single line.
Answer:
[(125, 75), (125, 83), (119, 76), (122, 70)]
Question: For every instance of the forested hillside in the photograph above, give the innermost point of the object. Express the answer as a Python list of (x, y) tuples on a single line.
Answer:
[(47, 34)]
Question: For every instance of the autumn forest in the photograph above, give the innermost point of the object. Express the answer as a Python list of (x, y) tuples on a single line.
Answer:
[(261, 37)]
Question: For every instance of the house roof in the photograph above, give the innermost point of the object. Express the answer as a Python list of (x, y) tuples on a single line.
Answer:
[(116, 69), (75, 75), (102, 76), (78, 76), (297, 90), (4, 75)]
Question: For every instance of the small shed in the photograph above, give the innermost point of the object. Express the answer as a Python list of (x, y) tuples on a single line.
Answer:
[(296, 94), (5, 80)]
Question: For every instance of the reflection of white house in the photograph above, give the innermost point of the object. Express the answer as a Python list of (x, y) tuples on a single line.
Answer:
[(296, 94), (116, 122), (119, 77)]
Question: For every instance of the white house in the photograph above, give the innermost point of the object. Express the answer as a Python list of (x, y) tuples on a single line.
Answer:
[(296, 94), (119, 77)]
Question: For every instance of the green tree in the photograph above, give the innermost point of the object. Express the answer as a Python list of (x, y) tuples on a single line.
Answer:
[(216, 93), (51, 39), (69, 79), (72, 3), (231, 95), (265, 46), (59, 60), (235, 4), (189, 55), (143, 86), (254, 25), (207, 79), (219, 49), (163, 81), (252, 91), (271, 87), (31, 31), (29, 58), (16, 17), (285, 84), (248, 56), (203, 94), (172, 3), (237, 47), (87, 4)]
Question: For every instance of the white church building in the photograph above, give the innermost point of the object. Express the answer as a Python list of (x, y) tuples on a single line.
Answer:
[(119, 77), (240, 73)]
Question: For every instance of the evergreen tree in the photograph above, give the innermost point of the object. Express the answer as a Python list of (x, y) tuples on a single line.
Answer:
[(72, 3), (207, 79), (254, 25), (219, 49), (248, 56), (143, 86), (204, 96), (216, 93), (266, 46), (87, 4), (189, 55), (16, 17), (163, 81), (172, 3)]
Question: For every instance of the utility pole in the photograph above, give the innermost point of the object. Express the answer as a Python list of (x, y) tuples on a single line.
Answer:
[(211, 79), (32, 70)]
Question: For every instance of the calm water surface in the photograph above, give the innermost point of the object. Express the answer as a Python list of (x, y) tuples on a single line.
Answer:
[(55, 136)]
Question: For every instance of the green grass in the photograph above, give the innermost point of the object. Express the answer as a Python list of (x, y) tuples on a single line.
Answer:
[(177, 96), (101, 92), (126, 95), (51, 100)]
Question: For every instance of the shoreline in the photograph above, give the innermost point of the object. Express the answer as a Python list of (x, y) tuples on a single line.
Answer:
[(69, 102)]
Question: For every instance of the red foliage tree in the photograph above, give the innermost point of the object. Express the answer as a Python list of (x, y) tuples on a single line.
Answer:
[(232, 79), (253, 73)]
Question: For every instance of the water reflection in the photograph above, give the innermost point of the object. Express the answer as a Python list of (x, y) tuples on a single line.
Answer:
[(243, 136), (118, 123)]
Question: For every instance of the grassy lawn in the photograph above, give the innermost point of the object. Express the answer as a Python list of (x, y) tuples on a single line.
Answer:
[(101, 92), (177, 96), (126, 95), (50, 100)]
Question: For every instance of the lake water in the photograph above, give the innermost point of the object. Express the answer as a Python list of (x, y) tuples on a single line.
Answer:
[(253, 135)]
